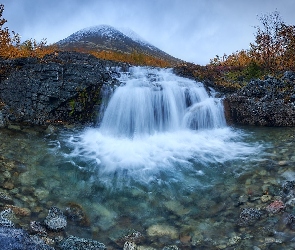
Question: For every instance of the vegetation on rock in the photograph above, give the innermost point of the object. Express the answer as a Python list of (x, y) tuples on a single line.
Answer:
[(272, 53)]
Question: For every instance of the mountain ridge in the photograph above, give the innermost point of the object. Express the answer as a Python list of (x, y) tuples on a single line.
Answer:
[(107, 38)]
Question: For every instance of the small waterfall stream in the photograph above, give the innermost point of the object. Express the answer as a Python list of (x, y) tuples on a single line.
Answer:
[(157, 123), (162, 162), (156, 101)]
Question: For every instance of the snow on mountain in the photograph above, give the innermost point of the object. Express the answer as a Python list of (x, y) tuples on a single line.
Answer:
[(100, 30), (106, 37), (135, 37)]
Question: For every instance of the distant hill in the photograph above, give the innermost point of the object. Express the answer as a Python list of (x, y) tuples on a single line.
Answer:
[(107, 38)]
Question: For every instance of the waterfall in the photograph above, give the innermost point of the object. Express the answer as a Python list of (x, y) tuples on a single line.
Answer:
[(156, 126), (156, 100)]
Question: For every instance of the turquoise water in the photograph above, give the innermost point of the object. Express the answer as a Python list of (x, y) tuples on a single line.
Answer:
[(189, 195)]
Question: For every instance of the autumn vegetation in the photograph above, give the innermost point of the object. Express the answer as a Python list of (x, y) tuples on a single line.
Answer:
[(271, 53), (12, 47)]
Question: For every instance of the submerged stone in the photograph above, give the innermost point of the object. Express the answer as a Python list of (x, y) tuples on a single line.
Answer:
[(162, 230), (5, 217), (249, 216), (75, 243), (55, 220), (18, 239)]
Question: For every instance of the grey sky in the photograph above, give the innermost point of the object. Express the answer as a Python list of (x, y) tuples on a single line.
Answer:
[(192, 30)]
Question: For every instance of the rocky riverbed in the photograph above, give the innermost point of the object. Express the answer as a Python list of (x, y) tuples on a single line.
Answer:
[(250, 205)]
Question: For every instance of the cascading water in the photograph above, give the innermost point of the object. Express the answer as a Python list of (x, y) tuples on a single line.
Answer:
[(153, 101), (157, 123)]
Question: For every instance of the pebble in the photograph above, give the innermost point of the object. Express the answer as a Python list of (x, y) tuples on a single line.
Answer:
[(21, 211), (282, 163), (162, 230), (129, 245), (76, 243), (5, 217), (55, 220), (266, 198), (234, 240), (8, 185)]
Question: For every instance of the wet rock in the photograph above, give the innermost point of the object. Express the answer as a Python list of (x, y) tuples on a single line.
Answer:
[(5, 217), (55, 220), (107, 217), (266, 198), (234, 240), (5, 198), (171, 247), (243, 199), (129, 245), (18, 239), (38, 228), (42, 243), (21, 211), (266, 102), (50, 129), (291, 202), (275, 207), (249, 216), (133, 236), (75, 212), (289, 220), (282, 163), (159, 230), (26, 179), (176, 207), (288, 186), (59, 88), (75, 243), (41, 193), (8, 185)]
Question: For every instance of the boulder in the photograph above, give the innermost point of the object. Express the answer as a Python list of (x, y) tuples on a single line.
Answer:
[(63, 87), (268, 102)]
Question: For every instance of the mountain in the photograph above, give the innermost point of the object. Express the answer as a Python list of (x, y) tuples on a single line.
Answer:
[(107, 38)]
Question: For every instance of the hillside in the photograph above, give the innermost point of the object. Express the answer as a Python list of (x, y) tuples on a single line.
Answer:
[(108, 39)]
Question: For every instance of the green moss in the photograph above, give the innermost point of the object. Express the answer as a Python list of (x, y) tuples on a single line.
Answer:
[(72, 104)]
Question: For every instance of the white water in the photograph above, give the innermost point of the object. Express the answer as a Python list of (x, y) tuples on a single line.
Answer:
[(157, 101), (156, 123)]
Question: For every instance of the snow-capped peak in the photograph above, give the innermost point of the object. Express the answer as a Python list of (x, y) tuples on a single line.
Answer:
[(134, 36)]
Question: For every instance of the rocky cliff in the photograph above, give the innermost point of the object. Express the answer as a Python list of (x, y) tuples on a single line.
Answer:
[(67, 87), (64, 87), (269, 102)]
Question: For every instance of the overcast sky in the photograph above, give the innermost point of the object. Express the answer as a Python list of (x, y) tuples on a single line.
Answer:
[(192, 30)]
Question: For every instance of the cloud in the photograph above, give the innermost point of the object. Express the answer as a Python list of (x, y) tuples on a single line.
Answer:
[(193, 30)]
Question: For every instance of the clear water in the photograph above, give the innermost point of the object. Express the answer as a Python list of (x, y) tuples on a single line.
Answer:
[(194, 198), (183, 184)]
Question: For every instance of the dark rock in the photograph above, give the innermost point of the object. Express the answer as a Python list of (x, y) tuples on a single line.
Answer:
[(63, 87), (75, 212), (75, 243), (249, 216), (38, 228), (268, 102), (55, 220), (5, 217), (289, 219), (18, 239), (134, 236), (5, 198)]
